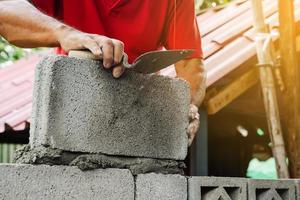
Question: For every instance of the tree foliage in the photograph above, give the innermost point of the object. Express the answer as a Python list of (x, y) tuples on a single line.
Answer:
[(9, 52), (213, 3)]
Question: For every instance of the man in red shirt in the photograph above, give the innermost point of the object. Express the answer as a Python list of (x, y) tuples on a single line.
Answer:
[(110, 27)]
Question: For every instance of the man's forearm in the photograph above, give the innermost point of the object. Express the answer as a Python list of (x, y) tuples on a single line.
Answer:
[(25, 26), (193, 71)]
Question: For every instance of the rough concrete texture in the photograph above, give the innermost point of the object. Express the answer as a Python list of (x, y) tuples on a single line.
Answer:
[(297, 182), (28, 182), (49, 156), (161, 187), (271, 189), (80, 107), (211, 188)]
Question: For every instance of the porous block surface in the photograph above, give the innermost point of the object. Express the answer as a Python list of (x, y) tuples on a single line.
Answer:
[(28, 182), (161, 187), (80, 107)]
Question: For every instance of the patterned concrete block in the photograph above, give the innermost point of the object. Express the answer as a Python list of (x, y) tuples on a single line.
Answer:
[(297, 183), (161, 187), (271, 189), (214, 188), (28, 182), (78, 106)]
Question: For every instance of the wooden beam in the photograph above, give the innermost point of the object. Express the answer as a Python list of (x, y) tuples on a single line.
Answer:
[(216, 99), (265, 54), (298, 43), (290, 72), (224, 96)]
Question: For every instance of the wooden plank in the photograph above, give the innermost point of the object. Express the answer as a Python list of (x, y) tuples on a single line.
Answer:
[(265, 55), (224, 96), (298, 43), (290, 72)]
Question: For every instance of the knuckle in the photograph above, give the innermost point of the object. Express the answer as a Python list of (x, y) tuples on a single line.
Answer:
[(100, 38), (107, 49), (119, 43), (108, 42)]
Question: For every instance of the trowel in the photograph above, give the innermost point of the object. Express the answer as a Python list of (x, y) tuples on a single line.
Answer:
[(147, 63)]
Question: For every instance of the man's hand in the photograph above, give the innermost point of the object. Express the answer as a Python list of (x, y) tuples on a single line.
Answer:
[(192, 70), (111, 50), (194, 119), (25, 26)]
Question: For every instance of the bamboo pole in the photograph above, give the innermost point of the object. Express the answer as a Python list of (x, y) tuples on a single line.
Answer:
[(290, 72), (265, 63)]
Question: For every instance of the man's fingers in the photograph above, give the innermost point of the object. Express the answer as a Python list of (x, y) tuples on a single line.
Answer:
[(118, 51), (192, 130), (193, 127), (111, 51), (118, 71), (108, 53), (194, 119), (93, 47), (193, 112)]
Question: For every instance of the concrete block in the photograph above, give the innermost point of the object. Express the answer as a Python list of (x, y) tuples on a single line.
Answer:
[(161, 187), (80, 107), (271, 189), (297, 183), (211, 188), (28, 182)]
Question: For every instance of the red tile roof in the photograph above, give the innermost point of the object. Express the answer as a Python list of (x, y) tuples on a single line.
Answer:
[(16, 84), (228, 36), (227, 43)]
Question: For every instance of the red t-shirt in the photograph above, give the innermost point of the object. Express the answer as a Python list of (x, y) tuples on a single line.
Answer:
[(143, 25)]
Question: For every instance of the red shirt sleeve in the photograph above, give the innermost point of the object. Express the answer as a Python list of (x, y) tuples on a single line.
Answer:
[(183, 32), (47, 6)]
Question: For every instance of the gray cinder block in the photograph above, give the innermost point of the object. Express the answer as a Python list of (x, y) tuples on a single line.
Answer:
[(271, 189), (297, 183), (211, 188), (161, 187), (78, 106), (28, 182)]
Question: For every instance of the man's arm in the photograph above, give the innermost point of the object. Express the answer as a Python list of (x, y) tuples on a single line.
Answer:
[(25, 26), (192, 70)]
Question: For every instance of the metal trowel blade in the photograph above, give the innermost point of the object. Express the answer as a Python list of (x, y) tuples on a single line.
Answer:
[(154, 61)]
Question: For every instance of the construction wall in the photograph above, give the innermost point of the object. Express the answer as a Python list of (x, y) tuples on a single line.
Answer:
[(22, 182), (95, 137)]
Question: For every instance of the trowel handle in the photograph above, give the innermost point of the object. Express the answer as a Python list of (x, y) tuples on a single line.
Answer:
[(84, 54)]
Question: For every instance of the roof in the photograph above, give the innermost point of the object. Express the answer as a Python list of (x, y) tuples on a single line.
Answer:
[(16, 84), (227, 40), (228, 36)]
